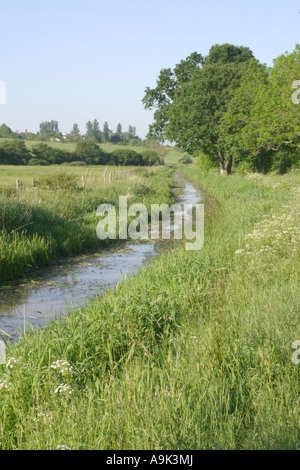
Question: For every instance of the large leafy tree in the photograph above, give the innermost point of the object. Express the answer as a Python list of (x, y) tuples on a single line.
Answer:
[(263, 120), (192, 100), (276, 114), (168, 85), (238, 119)]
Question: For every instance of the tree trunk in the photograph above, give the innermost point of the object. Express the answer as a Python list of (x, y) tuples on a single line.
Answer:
[(225, 164)]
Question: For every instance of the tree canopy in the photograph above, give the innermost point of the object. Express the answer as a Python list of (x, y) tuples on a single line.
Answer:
[(262, 125), (227, 106)]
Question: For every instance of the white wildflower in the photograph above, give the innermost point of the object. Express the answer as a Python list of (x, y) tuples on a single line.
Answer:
[(44, 418), (11, 362), (61, 366), (4, 385), (64, 388)]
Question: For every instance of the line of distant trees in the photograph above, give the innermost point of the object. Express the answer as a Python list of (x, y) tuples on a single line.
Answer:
[(49, 131), (94, 133), (87, 152)]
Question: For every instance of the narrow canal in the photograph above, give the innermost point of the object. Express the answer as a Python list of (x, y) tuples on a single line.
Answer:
[(75, 281)]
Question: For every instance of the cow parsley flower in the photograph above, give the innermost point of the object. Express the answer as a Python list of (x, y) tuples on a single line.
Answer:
[(4, 385), (12, 362), (64, 388), (61, 366)]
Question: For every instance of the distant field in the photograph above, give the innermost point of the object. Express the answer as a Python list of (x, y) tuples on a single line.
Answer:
[(171, 155), (9, 173)]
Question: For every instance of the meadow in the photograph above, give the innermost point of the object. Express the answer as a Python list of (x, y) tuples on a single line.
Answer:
[(194, 352), (10, 173)]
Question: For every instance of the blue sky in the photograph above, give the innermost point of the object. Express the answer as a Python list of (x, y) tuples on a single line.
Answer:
[(74, 61)]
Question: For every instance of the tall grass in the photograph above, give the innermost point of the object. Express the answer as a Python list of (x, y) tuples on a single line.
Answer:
[(38, 225), (192, 353)]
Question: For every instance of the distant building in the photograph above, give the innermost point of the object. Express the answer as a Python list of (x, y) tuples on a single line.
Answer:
[(25, 134), (68, 137)]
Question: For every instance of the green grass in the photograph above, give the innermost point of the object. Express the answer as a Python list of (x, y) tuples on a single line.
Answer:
[(173, 155), (9, 174), (192, 353), (39, 225)]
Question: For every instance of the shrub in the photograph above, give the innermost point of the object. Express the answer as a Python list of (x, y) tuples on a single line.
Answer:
[(126, 157), (14, 152), (58, 181), (185, 160), (205, 163), (284, 161), (52, 156), (91, 153), (150, 158), (37, 162), (73, 164)]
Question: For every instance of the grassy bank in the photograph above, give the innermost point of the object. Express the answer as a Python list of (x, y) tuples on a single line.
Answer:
[(192, 353), (57, 217)]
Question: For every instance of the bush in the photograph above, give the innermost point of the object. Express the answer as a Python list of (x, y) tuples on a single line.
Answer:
[(52, 156), (150, 158), (185, 160), (285, 160), (37, 162), (14, 152), (126, 157), (91, 153), (73, 164), (205, 162), (244, 167), (58, 181)]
